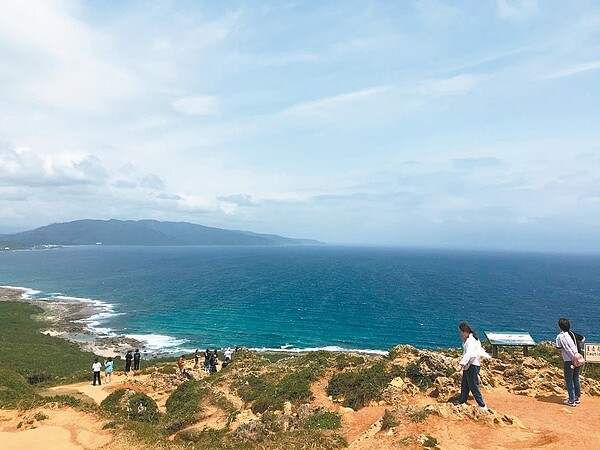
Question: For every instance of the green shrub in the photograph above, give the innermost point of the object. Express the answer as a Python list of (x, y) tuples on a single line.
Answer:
[(419, 416), (389, 420), (293, 387), (250, 387), (15, 392), (430, 442), (184, 405), (413, 371), (131, 405), (303, 439), (547, 352), (142, 408), (343, 360), (358, 388), (324, 420)]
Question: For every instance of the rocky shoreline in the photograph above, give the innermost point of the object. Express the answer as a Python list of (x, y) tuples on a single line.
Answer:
[(67, 320)]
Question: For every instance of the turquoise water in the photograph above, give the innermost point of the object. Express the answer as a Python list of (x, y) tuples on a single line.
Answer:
[(300, 297)]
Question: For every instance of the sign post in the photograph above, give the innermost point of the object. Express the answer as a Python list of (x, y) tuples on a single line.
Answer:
[(510, 339), (592, 353)]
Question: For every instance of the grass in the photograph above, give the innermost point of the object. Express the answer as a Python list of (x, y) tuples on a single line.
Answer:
[(293, 387), (389, 420), (39, 358), (359, 387), (324, 420), (15, 392), (277, 384), (419, 416), (131, 405), (184, 406)]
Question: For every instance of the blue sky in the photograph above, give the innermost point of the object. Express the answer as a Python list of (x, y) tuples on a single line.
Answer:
[(421, 123)]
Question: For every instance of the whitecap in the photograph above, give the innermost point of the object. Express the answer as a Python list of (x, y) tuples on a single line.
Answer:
[(159, 341), (327, 348)]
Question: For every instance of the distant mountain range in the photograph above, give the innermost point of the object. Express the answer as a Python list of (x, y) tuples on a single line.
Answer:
[(140, 232)]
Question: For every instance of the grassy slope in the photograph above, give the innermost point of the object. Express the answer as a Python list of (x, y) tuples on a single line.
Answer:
[(24, 349)]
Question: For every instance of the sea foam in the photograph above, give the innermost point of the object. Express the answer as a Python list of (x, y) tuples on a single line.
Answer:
[(328, 348), (160, 342)]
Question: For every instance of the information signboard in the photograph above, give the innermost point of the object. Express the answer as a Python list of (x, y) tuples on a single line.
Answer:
[(592, 353), (509, 339), (516, 338)]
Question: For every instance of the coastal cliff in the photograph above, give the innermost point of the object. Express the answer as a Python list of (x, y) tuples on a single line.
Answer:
[(316, 400)]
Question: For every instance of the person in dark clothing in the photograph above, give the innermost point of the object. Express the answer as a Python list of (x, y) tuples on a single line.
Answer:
[(96, 369), (197, 359), (128, 358), (136, 360), (207, 356), (214, 362)]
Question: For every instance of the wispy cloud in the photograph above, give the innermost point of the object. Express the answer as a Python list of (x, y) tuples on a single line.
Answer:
[(330, 105), (517, 10), (574, 69), (201, 105), (459, 84), (57, 60), (24, 167)]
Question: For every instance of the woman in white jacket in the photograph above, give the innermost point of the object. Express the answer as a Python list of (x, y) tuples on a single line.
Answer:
[(470, 365), (566, 341)]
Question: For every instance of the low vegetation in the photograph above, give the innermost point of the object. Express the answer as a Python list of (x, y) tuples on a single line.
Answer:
[(324, 420), (45, 360), (276, 389), (184, 406), (131, 405), (357, 388)]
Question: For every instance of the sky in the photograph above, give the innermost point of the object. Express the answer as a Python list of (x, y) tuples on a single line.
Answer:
[(467, 124)]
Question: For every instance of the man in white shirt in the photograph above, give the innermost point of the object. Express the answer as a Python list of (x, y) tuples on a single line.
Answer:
[(96, 367)]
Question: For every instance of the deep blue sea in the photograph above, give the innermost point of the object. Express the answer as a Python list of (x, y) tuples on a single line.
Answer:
[(300, 297)]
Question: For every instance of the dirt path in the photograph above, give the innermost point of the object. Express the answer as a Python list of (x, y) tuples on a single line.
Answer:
[(52, 428), (548, 424), (96, 393)]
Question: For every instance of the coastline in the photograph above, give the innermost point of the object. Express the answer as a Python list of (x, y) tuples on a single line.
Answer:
[(70, 320)]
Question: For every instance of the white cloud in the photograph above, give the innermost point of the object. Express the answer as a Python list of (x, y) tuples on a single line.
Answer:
[(574, 69), (460, 84), (28, 168), (196, 204), (517, 10), (52, 58), (330, 105), (201, 105)]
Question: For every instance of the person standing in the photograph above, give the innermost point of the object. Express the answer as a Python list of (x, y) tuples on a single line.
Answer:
[(136, 360), (207, 356), (96, 367), (214, 362), (128, 358), (197, 359), (470, 365), (567, 342), (181, 365), (108, 368)]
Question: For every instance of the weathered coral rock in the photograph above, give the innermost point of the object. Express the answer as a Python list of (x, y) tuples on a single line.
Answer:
[(254, 431), (444, 389), (303, 411)]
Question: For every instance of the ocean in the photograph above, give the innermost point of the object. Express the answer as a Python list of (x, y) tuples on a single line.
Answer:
[(312, 297)]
